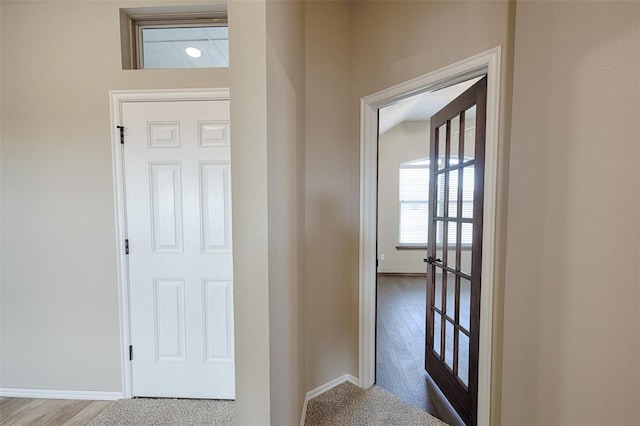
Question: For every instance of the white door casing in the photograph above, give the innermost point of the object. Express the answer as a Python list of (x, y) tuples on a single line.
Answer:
[(178, 301)]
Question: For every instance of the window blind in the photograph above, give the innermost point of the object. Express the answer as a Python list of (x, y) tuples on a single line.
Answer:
[(414, 204)]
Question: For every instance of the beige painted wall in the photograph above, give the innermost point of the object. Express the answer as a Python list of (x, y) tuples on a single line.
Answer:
[(407, 141), (285, 155), (328, 233), (59, 289), (572, 302), (248, 61), (391, 42)]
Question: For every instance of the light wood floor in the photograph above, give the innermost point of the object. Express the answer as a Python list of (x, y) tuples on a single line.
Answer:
[(401, 340), (49, 412)]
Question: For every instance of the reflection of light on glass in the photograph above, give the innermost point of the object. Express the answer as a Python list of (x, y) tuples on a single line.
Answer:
[(193, 52)]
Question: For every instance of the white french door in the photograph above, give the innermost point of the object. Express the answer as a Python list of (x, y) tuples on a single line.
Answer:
[(178, 216)]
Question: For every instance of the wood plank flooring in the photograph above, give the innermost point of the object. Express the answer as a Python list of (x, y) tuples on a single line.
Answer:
[(50, 412), (401, 338)]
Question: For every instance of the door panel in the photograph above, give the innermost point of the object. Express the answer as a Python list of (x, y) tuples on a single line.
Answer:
[(178, 195), (455, 248)]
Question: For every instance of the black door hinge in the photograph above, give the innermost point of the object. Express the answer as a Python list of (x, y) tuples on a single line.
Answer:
[(121, 128), (126, 246), (130, 352)]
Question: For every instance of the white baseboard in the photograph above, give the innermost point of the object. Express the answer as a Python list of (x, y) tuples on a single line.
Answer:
[(324, 388), (60, 394)]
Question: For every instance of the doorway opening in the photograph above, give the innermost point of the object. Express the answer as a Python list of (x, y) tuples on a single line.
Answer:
[(404, 204), (376, 111)]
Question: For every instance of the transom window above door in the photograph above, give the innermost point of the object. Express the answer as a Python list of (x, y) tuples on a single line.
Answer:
[(161, 38), (183, 45)]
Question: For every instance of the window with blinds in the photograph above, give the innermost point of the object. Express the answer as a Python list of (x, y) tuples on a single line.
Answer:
[(414, 203)]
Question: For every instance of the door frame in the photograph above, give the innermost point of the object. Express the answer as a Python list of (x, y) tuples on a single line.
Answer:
[(488, 63), (117, 98)]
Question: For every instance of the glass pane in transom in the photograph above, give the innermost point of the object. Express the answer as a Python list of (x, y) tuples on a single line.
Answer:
[(185, 47)]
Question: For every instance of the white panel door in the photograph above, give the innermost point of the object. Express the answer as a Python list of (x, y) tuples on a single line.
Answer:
[(178, 195)]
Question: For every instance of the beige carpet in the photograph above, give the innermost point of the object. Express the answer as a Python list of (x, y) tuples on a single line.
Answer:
[(349, 405), (344, 405), (175, 412)]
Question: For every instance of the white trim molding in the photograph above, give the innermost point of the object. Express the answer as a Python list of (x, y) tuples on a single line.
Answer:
[(324, 388), (59, 394), (117, 98), (488, 63)]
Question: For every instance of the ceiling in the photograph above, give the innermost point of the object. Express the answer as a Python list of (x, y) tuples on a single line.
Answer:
[(421, 106)]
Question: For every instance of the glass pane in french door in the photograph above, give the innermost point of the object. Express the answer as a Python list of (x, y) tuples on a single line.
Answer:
[(463, 358), (454, 145), (442, 146), (469, 127)]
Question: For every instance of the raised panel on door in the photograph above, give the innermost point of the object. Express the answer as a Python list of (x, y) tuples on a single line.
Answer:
[(213, 133), (178, 196), (163, 134), (218, 299), (169, 318), (166, 206), (215, 203)]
